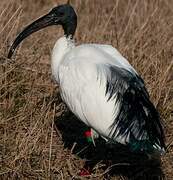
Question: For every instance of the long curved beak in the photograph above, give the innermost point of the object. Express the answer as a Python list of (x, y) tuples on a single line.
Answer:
[(37, 25)]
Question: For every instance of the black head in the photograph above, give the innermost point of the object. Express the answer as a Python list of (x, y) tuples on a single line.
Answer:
[(61, 15), (65, 16)]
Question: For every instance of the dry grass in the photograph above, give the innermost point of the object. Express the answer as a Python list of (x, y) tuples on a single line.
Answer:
[(30, 146)]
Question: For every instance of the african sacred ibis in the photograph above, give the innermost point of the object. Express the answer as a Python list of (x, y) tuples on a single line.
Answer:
[(100, 86)]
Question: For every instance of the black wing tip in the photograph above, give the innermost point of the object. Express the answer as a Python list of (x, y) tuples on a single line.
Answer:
[(146, 146), (137, 114)]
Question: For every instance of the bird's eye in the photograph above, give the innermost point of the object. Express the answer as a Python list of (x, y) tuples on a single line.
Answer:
[(61, 13)]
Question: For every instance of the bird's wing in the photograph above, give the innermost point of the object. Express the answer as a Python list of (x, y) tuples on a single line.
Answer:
[(119, 60), (112, 100)]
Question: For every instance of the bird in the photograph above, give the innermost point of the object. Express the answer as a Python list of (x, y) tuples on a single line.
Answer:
[(100, 86)]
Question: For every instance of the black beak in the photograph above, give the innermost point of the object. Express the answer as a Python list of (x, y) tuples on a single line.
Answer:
[(37, 25)]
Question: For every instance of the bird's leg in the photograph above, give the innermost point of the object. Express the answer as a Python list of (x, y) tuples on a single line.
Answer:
[(94, 135)]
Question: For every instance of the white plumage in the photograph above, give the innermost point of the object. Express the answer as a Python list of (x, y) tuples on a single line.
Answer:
[(81, 72)]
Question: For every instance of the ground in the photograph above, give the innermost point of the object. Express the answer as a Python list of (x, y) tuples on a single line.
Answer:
[(39, 137)]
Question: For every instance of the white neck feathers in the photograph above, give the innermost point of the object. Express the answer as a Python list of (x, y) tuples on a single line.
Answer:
[(61, 48)]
